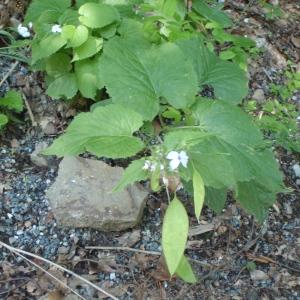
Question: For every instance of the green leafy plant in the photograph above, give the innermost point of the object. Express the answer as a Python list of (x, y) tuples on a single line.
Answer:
[(12, 48), (11, 103), (278, 117), (271, 11), (154, 65)]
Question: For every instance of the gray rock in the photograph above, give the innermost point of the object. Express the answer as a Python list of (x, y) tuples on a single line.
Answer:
[(296, 169), (81, 196), (37, 158), (259, 96)]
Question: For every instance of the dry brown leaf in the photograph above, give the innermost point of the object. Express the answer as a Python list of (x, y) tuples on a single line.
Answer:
[(199, 229), (129, 239)]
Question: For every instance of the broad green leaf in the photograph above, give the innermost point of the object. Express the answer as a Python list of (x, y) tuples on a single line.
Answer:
[(70, 16), (211, 13), (88, 49), (39, 7), (215, 167), (12, 101), (147, 75), (51, 44), (132, 30), (226, 121), (185, 271), (174, 234), (133, 173), (3, 120), (106, 131), (97, 15), (58, 64), (199, 193), (255, 199), (215, 199), (228, 80), (63, 86), (88, 81)]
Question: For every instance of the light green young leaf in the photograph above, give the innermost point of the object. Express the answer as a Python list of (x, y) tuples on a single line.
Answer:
[(63, 86), (133, 173), (211, 13), (154, 180), (106, 131), (88, 81), (227, 54), (199, 193), (185, 271), (174, 234), (58, 64), (97, 15), (79, 36), (228, 80), (12, 101), (148, 75), (88, 49), (3, 120)]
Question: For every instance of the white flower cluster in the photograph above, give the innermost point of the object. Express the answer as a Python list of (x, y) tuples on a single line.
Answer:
[(151, 166), (56, 28), (176, 158), (24, 31)]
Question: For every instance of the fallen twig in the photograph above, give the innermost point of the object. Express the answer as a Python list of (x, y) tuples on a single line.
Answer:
[(52, 276), (122, 249), (31, 116), (18, 251), (8, 73)]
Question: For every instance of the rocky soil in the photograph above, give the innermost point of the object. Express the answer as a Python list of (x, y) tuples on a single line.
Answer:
[(233, 256)]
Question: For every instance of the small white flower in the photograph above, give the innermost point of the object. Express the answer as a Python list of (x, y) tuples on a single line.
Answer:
[(153, 167), (30, 25), (147, 165), (176, 158), (23, 31), (56, 28), (165, 181)]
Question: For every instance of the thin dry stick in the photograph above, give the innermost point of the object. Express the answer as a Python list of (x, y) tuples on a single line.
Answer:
[(16, 250), (52, 276), (122, 249), (9, 72), (156, 253), (31, 116)]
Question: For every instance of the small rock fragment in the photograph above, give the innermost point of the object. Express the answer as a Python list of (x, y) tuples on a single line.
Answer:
[(259, 96), (296, 41), (47, 126), (296, 169), (37, 158), (258, 275)]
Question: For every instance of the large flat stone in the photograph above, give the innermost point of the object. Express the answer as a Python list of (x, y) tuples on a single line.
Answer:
[(81, 196)]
